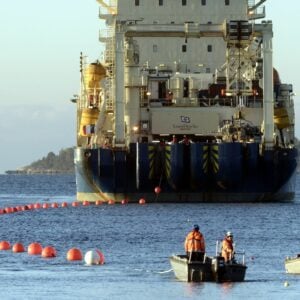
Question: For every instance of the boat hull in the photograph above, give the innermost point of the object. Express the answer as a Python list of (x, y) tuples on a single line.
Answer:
[(200, 172), (211, 269), (292, 265)]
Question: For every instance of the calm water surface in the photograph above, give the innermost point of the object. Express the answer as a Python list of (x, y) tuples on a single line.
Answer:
[(137, 241)]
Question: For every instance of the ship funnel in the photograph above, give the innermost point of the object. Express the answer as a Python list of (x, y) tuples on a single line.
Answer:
[(93, 74)]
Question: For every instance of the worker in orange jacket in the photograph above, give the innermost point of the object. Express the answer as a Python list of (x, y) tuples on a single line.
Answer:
[(227, 247), (194, 244)]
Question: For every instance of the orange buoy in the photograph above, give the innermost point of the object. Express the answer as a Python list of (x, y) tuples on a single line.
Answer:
[(8, 210), (37, 205), (48, 252), (101, 255), (4, 245), (35, 249), (18, 247), (111, 202), (1, 211), (157, 190), (64, 204), (54, 205), (45, 205), (75, 203), (85, 203), (142, 201), (14, 209), (19, 208), (74, 254), (25, 207), (30, 206), (98, 202)]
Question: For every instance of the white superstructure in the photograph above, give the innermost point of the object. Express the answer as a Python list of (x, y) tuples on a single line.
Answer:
[(185, 67)]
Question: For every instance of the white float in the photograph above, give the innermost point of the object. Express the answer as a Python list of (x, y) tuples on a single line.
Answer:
[(92, 258)]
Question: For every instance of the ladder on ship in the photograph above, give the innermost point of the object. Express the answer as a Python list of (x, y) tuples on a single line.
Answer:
[(108, 37)]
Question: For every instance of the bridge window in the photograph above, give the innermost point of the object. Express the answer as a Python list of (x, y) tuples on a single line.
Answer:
[(137, 2), (160, 2), (209, 48), (184, 2), (183, 48), (227, 2), (203, 2)]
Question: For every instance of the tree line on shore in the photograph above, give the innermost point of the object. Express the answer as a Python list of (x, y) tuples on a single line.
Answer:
[(63, 162)]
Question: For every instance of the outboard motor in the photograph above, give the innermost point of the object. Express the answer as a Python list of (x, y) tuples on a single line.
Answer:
[(218, 267)]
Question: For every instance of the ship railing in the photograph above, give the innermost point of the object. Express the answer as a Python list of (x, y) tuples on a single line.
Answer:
[(105, 35), (107, 8), (192, 102), (203, 102), (257, 13)]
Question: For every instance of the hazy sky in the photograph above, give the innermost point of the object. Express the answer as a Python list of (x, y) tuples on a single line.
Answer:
[(41, 41)]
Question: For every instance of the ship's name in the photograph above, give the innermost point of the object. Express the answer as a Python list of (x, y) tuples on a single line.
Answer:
[(185, 126)]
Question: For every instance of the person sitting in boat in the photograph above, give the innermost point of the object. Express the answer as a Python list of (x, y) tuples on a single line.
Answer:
[(227, 247), (194, 244)]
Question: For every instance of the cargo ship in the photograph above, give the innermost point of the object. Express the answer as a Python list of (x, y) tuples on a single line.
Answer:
[(184, 105)]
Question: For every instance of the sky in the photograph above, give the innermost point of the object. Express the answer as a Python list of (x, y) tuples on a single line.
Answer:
[(40, 45)]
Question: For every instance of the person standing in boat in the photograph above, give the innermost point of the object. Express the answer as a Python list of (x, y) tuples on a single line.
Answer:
[(194, 244), (227, 247)]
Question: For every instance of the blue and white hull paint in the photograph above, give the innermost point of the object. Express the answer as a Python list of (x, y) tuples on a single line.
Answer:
[(200, 172)]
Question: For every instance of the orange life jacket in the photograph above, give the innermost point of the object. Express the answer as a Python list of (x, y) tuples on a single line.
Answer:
[(227, 249), (194, 242)]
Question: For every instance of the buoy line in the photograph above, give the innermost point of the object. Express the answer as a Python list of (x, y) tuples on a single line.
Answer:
[(92, 257)]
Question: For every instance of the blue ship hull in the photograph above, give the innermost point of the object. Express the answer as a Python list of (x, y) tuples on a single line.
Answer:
[(199, 172)]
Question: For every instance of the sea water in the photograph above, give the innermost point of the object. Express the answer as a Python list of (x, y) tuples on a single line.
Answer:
[(137, 241)]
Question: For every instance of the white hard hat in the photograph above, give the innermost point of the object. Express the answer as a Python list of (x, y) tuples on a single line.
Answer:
[(229, 233)]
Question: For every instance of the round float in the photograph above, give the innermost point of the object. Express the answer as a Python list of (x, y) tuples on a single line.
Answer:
[(34, 249), (18, 248), (4, 245), (48, 252), (74, 254)]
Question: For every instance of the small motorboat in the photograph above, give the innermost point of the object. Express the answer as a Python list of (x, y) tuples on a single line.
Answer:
[(210, 269), (292, 264)]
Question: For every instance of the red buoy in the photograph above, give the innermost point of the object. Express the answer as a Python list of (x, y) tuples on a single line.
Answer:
[(64, 204), (4, 245), (142, 201), (35, 249), (48, 252), (74, 254), (8, 210), (75, 203), (30, 206), (111, 202), (54, 205), (98, 202), (124, 201), (101, 255), (45, 205), (157, 190), (37, 205), (19, 208), (85, 203), (18, 247)]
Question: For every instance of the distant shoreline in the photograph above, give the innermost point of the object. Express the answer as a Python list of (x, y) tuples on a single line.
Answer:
[(32, 172)]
